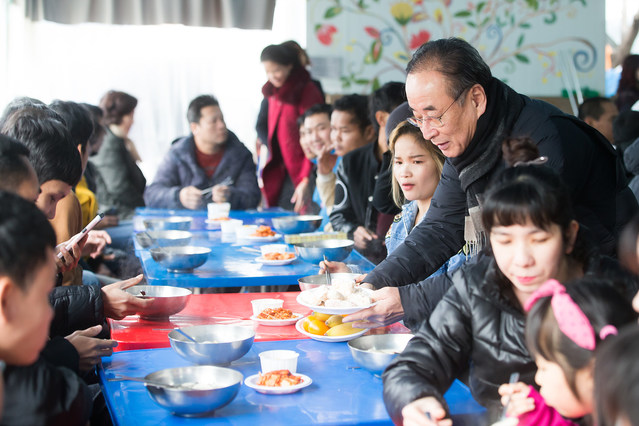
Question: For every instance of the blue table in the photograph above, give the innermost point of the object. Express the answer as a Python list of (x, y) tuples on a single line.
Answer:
[(260, 217), (339, 394), (228, 265)]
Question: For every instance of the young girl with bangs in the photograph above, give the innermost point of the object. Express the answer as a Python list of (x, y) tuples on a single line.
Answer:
[(565, 327), (477, 329)]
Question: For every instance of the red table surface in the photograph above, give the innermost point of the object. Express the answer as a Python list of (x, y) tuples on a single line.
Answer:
[(229, 308)]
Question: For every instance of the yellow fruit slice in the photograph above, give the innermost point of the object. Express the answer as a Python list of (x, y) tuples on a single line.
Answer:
[(320, 316), (342, 330), (334, 320)]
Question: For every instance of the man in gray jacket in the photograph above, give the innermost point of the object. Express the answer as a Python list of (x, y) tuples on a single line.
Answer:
[(210, 165)]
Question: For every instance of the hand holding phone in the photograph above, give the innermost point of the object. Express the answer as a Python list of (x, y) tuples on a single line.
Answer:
[(77, 237)]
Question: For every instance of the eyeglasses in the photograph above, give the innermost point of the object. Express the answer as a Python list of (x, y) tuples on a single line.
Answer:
[(433, 122)]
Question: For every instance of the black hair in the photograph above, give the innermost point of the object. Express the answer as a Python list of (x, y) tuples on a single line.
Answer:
[(194, 113), (357, 105), (386, 98), (602, 305), (593, 107), (319, 109), (455, 59), (116, 105), (281, 54), (97, 116), (17, 104), (25, 235), (625, 128), (617, 379), (77, 119), (525, 193), (627, 246), (14, 164), (51, 152)]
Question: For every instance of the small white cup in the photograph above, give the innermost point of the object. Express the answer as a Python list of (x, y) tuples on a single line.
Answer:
[(230, 226), (245, 231), (279, 360), (260, 304), (218, 210), (273, 248)]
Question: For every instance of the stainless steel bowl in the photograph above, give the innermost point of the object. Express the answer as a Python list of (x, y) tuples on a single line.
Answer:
[(217, 343), (163, 238), (180, 259), (376, 351), (175, 223), (167, 300), (313, 281), (334, 250), (202, 389), (297, 224)]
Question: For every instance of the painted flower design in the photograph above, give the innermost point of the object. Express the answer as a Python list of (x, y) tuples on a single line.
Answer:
[(418, 39), (402, 12), (325, 33)]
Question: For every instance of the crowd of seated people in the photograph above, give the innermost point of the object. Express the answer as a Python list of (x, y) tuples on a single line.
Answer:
[(494, 220)]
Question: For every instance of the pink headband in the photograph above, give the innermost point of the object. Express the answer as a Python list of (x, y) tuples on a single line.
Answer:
[(570, 318)]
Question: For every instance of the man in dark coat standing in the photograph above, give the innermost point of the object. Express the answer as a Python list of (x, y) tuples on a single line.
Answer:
[(467, 113)]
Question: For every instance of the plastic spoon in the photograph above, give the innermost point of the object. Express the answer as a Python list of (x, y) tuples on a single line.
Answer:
[(514, 378)]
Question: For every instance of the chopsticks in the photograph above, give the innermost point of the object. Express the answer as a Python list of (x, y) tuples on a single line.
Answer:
[(227, 181)]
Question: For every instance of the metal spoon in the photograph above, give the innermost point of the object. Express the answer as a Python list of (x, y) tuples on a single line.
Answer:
[(327, 273), (183, 333), (121, 377), (153, 242)]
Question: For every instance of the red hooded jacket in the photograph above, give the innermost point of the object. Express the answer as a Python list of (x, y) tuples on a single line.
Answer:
[(285, 105)]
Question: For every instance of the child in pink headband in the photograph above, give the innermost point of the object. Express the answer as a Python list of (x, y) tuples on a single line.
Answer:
[(564, 328)]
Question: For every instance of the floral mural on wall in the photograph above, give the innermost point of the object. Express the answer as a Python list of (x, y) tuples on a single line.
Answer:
[(534, 44)]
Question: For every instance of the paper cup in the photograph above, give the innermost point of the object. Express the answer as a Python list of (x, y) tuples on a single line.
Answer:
[(245, 231), (260, 304), (273, 248), (218, 210), (230, 226), (279, 360)]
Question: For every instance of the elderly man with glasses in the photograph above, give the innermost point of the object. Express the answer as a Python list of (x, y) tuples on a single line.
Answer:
[(466, 112)]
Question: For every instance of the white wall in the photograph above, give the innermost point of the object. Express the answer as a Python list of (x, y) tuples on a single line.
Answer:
[(164, 66)]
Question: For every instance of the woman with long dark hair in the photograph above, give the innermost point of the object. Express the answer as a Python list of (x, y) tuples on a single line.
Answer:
[(290, 92)]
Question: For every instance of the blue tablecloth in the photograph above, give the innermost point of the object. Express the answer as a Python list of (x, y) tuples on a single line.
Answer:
[(228, 265), (339, 394)]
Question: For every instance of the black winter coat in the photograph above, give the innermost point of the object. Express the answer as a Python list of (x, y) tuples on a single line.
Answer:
[(474, 325), (50, 391), (583, 158)]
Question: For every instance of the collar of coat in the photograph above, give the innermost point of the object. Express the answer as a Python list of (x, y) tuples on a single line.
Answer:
[(291, 90)]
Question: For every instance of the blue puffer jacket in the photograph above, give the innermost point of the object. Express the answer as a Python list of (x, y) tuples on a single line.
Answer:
[(179, 169)]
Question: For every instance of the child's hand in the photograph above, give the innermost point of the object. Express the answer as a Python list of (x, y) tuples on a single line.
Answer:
[(425, 412), (517, 393)]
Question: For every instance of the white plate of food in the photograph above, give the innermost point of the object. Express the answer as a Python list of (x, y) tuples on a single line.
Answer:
[(276, 262), (328, 300), (257, 239), (252, 382), (277, 322), (329, 339)]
